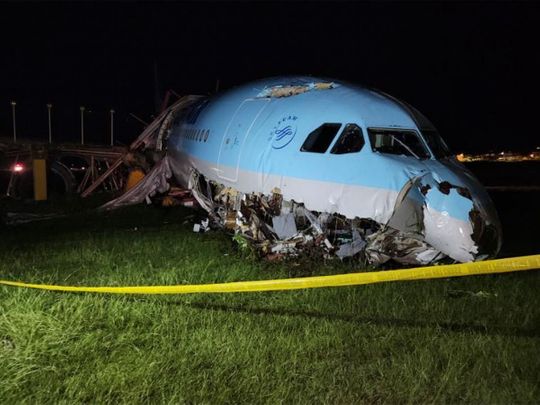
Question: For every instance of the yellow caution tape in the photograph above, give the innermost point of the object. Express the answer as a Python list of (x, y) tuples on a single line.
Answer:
[(419, 273)]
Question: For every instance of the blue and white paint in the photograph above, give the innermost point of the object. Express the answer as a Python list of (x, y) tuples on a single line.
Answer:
[(250, 139)]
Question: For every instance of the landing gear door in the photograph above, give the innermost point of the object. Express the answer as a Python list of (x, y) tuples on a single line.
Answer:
[(237, 131)]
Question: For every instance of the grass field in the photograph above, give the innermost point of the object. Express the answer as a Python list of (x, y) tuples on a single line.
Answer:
[(444, 341)]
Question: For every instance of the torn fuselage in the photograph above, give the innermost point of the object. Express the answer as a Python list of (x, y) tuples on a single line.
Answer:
[(336, 151)]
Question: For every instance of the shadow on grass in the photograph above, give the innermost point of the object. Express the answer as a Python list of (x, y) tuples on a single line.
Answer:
[(402, 323), (488, 330)]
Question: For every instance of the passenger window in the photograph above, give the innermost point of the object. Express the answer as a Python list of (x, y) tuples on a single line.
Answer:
[(320, 139), (350, 141)]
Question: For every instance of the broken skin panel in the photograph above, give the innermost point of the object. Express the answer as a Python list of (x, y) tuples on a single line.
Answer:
[(417, 232), (476, 234), (446, 217), (486, 224), (484, 218), (279, 91), (400, 246), (408, 215), (447, 228), (451, 235), (402, 238)]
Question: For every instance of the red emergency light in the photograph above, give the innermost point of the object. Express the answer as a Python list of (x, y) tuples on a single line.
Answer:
[(18, 167)]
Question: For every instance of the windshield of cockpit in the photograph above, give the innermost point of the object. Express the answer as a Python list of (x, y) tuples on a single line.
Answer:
[(436, 143), (398, 142)]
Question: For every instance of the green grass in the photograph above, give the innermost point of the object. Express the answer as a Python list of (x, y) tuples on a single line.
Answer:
[(426, 341)]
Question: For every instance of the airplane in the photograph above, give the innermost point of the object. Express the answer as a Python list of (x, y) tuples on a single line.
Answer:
[(338, 148)]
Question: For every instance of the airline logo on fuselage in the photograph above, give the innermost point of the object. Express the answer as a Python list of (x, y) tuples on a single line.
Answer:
[(284, 131)]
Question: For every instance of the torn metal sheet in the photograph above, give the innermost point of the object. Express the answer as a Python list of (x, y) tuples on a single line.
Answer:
[(284, 225), (156, 181), (349, 249), (279, 90)]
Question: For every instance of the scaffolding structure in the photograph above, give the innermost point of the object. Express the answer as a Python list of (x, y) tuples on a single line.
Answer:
[(106, 166)]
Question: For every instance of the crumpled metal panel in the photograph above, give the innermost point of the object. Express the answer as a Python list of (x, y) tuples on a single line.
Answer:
[(156, 181)]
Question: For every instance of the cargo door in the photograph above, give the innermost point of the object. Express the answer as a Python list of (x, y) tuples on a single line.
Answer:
[(235, 136)]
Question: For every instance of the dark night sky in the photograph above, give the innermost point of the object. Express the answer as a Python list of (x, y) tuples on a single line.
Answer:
[(472, 68)]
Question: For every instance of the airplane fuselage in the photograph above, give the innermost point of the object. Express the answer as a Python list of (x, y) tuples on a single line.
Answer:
[(336, 148)]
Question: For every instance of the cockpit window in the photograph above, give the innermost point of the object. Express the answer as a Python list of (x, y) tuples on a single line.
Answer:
[(350, 141), (397, 142), (436, 143), (320, 139)]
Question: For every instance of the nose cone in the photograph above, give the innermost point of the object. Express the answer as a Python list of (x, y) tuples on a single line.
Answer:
[(460, 219)]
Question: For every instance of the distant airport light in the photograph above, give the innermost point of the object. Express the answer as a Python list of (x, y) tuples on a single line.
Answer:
[(18, 167)]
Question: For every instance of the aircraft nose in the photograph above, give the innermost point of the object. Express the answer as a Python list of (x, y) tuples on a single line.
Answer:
[(460, 216)]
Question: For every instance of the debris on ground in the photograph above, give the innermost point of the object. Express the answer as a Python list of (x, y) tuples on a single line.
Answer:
[(203, 226), (466, 293), (18, 218)]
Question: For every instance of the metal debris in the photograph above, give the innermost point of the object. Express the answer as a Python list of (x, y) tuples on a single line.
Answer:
[(467, 293), (203, 226), (284, 225), (278, 228), (155, 181)]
